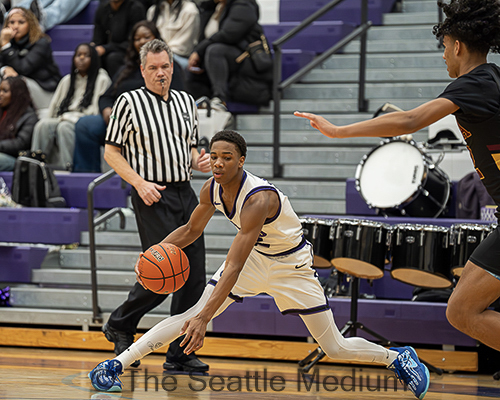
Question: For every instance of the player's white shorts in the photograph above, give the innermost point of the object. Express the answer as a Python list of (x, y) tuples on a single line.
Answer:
[(290, 280)]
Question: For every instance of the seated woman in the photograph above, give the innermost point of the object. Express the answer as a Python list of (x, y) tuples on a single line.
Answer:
[(227, 28), (91, 130), (26, 51), (17, 120), (179, 24), (76, 95)]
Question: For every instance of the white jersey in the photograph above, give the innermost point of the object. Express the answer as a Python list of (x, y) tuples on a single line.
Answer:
[(281, 234)]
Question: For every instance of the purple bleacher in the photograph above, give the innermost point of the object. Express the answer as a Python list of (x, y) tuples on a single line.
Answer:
[(74, 189), (16, 262), (399, 321), (317, 37), (293, 60), (86, 16), (42, 225), (64, 60), (386, 287), (356, 205), (68, 37), (348, 10)]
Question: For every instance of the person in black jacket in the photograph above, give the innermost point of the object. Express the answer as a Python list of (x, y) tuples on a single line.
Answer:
[(26, 51), (17, 120), (227, 28), (113, 22)]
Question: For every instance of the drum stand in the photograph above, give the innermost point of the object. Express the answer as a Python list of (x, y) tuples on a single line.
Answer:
[(352, 326)]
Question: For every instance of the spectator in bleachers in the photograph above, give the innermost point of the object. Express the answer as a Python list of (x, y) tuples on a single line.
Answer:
[(179, 24), (76, 95), (112, 25), (227, 28), (52, 12), (17, 120), (26, 51), (91, 130)]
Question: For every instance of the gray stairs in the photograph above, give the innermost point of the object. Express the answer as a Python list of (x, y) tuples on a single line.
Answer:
[(404, 67)]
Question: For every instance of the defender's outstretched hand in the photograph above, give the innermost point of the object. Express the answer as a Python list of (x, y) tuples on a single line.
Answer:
[(319, 123)]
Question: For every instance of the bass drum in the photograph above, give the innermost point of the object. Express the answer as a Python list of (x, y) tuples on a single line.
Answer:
[(319, 232), (360, 248), (464, 238), (398, 175), (421, 255)]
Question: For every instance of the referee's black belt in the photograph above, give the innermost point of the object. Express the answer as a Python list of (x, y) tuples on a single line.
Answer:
[(174, 184)]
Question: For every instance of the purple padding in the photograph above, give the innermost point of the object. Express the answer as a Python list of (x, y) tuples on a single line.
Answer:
[(399, 321), (242, 108), (17, 262), (63, 60), (293, 60), (68, 37), (348, 10), (74, 189), (42, 225), (317, 37), (86, 16), (107, 195), (356, 205)]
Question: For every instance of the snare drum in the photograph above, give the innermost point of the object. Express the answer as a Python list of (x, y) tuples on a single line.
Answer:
[(398, 175), (319, 232), (360, 248), (421, 255), (464, 238)]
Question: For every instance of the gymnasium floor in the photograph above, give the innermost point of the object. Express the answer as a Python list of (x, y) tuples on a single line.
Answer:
[(59, 374)]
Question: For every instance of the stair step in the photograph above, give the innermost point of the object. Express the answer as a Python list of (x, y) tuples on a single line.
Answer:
[(395, 45), (379, 75), (74, 299), (395, 91), (121, 279), (432, 59), (410, 33), (414, 18), (78, 318), (417, 6)]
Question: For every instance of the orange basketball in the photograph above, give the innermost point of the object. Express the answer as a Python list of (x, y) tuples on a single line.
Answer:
[(164, 268)]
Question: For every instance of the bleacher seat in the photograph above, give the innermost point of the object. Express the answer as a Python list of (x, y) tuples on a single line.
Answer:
[(348, 11), (68, 37), (86, 16)]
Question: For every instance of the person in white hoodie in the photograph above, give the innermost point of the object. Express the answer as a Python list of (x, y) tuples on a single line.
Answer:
[(179, 24), (76, 95)]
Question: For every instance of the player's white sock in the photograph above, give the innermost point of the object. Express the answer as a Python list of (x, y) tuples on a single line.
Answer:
[(322, 327)]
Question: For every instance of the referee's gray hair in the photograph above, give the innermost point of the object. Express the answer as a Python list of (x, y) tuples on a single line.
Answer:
[(155, 46)]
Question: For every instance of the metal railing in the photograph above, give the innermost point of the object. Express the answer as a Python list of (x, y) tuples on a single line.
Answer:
[(279, 87), (96, 310)]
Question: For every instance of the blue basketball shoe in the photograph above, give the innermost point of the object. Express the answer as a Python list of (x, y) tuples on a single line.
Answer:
[(411, 371), (104, 377)]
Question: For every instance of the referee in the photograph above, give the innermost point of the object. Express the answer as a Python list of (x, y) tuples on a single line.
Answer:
[(151, 142)]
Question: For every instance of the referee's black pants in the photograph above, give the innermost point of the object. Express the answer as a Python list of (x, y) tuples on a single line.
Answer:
[(154, 223)]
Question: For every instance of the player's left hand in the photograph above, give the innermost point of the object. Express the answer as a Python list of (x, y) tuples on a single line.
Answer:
[(204, 161), (136, 269), (195, 330), (319, 123)]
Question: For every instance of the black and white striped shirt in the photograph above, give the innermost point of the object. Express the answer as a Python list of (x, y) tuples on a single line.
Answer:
[(156, 136)]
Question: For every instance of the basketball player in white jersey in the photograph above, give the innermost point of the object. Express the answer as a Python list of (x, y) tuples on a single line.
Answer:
[(268, 255)]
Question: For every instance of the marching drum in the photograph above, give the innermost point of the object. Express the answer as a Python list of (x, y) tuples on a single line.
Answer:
[(398, 175), (319, 232), (360, 248), (464, 238), (421, 255)]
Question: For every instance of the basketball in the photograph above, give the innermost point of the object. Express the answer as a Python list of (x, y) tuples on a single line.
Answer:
[(164, 268)]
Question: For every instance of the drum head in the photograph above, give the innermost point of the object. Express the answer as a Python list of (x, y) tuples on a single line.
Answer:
[(357, 268), (391, 174)]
